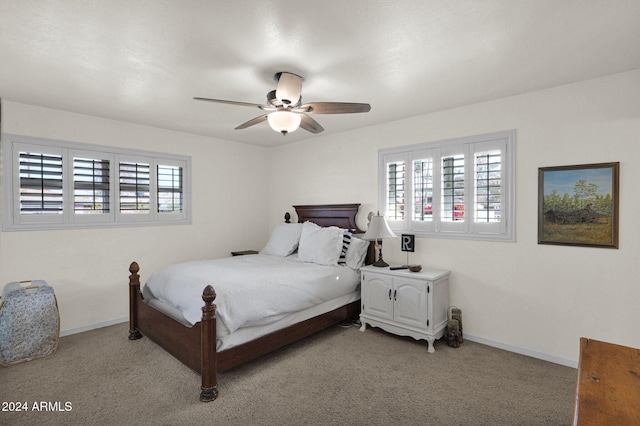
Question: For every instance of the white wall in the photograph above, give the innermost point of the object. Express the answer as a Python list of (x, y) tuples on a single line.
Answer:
[(88, 268), (536, 299)]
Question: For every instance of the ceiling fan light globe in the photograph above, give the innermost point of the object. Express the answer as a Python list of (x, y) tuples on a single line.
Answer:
[(284, 121)]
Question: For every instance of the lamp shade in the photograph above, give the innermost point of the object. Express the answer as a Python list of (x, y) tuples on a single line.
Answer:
[(378, 229), (284, 121)]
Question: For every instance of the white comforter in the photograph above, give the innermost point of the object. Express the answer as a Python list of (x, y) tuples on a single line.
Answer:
[(251, 290)]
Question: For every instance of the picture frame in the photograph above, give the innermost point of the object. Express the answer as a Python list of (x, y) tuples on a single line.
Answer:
[(579, 205), (408, 243)]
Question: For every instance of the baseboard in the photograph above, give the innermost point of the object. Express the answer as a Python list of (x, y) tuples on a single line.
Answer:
[(88, 327), (522, 351)]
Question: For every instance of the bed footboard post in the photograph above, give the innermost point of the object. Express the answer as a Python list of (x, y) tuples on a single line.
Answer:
[(209, 362), (134, 290)]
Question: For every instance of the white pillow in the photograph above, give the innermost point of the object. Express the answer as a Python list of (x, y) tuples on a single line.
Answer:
[(320, 245), (284, 239), (357, 252)]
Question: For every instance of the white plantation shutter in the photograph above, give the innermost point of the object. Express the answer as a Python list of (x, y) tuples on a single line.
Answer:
[(424, 202), (453, 189), (492, 200), (488, 187), (396, 182), (55, 184), (458, 188), (91, 186), (134, 187), (423, 189), (452, 214), (40, 183), (169, 189)]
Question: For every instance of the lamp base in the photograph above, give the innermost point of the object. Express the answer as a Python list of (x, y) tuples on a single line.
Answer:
[(380, 263)]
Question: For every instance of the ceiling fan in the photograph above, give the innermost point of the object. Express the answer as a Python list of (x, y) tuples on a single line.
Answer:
[(285, 110)]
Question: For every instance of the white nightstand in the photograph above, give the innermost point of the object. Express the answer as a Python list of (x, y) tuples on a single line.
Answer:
[(405, 303)]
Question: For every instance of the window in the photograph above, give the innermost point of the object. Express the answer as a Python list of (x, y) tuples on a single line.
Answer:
[(395, 193), (40, 183), (453, 186), (53, 184), (458, 188), (134, 180), (169, 189), (488, 186), (423, 189), (91, 186)]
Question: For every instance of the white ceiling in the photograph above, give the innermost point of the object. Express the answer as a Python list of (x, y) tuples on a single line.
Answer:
[(143, 61)]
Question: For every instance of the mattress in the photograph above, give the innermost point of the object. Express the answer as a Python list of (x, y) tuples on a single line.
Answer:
[(256, 294), (243, 335)]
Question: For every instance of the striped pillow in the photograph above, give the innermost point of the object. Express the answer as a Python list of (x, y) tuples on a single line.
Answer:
[(346, 240)]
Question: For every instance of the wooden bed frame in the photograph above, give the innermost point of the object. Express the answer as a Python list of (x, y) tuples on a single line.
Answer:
[(196, 346)]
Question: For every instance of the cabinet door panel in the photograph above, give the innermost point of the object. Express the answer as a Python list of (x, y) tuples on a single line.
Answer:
[(375, 296), (410, 302)]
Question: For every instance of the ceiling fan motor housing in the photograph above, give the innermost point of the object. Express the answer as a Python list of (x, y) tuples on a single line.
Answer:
[(289, 88)]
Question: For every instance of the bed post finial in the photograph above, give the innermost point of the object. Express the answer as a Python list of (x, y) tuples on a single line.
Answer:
[(208, 358), (209, 309), (134, 292), (287, 218), (134, 268)]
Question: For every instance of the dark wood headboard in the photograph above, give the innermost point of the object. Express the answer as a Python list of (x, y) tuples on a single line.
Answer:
[(340, 215)]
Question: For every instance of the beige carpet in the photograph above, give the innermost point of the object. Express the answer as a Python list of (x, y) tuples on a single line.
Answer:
[(339, 377)]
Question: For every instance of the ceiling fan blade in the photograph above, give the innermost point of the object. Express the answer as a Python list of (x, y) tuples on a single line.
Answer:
[(253, 121), (333, 108), (289, 88), (310, 125), (222, 101)]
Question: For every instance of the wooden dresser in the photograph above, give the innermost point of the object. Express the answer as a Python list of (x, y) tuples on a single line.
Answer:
[(608, 388)]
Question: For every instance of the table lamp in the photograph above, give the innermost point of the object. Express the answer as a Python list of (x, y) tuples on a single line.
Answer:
[(378, 229)]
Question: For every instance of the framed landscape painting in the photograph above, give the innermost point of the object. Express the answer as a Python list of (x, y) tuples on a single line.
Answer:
[(578, 205)]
